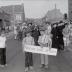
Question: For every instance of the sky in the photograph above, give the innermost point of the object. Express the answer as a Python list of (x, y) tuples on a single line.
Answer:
[(38, 8)]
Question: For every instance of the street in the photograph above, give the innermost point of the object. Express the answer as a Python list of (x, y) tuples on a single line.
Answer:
[(15, 60), (49, 22)]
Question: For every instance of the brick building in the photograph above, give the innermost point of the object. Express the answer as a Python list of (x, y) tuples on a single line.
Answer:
[(4, 19), (16, 12)]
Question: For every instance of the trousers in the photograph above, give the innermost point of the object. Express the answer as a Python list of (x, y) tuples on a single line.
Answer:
[(44, 59), (2, 56), (28, 59)]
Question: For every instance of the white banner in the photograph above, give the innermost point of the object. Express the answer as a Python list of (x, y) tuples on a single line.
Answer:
[(39, 50)]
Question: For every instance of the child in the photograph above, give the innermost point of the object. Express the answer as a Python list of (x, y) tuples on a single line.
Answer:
[(66, 35), (44, 41), (15, 32), (28, 55), (3, 50)]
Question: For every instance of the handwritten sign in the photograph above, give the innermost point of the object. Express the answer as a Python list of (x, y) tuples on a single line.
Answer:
[(39, 50)]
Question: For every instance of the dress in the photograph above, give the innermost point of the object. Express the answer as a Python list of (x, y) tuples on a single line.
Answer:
[(66, 33), (44, 40)]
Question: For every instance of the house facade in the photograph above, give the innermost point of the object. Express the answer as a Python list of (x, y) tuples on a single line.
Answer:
[(16, 12)]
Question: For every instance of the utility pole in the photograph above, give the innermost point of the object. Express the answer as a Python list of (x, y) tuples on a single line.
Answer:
[(13, 15), (23, 12), (55, 12)]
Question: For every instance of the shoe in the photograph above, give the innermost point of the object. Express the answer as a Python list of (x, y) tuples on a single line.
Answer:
[(46, 66), (31, 67), (42, 66), (26, 69), (2, 65), (6, 65)]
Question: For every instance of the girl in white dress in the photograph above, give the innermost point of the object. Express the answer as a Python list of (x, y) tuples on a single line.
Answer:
[(66, 33), (44, 41)]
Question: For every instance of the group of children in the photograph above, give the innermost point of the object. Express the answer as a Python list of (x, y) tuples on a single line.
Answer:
[(44, 41)]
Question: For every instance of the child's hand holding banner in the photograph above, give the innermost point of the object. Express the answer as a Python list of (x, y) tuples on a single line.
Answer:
[(39, 50)]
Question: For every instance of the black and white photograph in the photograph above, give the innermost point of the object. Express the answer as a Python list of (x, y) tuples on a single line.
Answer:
[(35, 35)]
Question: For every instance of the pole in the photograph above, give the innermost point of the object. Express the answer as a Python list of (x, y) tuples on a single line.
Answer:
[(13, 16)]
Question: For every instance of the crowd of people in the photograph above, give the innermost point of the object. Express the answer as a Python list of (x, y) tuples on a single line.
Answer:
[(56, 35), (60, 32), (53, 36)]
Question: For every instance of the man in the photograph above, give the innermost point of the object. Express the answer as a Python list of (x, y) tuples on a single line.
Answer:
[(54, 36), (2, 50), (60, 28), (36, 34), (29, 27)]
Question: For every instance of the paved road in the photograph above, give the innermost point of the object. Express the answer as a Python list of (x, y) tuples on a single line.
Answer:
[(15, 60)]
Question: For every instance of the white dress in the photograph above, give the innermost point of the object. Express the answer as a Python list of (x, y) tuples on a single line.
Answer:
[(45, 39), (15, 31), (66, 36)]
